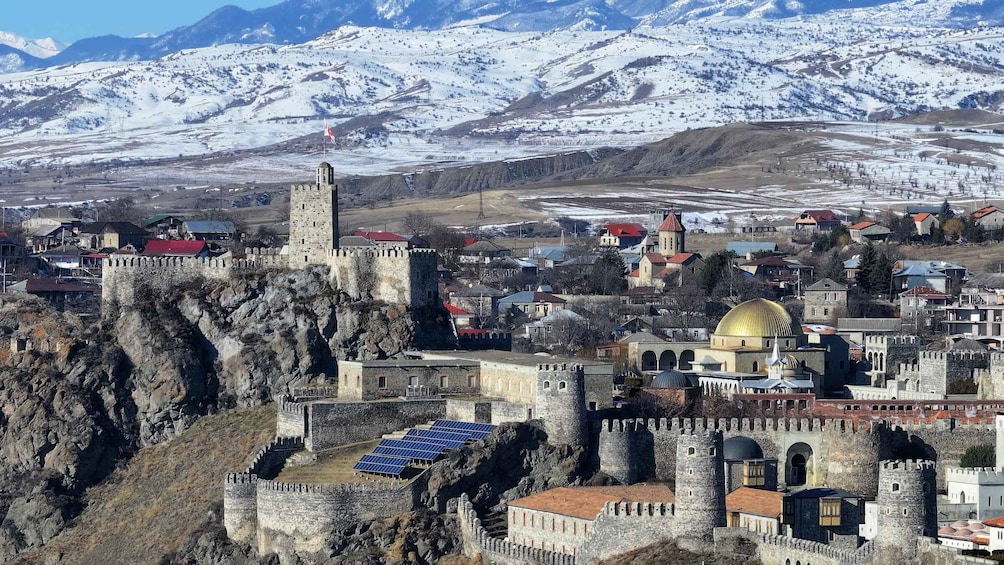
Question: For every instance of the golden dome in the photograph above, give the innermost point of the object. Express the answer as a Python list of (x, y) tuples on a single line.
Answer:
[(759, 318)]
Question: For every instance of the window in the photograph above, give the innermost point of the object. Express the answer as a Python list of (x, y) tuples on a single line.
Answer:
[(381, 382), (691, 451), (444, 381), (895, 487), (753, 474), (829, 511), (413, 380), (787, 511), (547, 384), (562, 385)]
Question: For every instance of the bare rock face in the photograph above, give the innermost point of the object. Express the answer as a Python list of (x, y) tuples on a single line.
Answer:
[(76, 398)]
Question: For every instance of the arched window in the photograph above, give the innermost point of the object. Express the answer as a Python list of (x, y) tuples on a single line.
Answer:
[(547, 384), (562, 385), (895, 487), (691, 451), (756, 366)]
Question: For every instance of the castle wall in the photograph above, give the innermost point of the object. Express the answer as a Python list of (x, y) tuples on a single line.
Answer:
[(561, 403), (940, 368), (503, 412), (907, 505), (547, 530), (337, 423), (370, 380), (625, 526), (468, 411), (783, 550), (240, 490), (495, 551), (122, 277), (886, 352), (291, 418), (395, 276), (298, 517)]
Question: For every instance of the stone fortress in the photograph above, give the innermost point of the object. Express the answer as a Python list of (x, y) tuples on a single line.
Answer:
[(395, 276), (571, 403)]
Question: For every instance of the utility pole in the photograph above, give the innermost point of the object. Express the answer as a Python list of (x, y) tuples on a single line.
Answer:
[(481, 202)]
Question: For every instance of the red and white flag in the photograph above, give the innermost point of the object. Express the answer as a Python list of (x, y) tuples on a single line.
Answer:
[(328, 132)]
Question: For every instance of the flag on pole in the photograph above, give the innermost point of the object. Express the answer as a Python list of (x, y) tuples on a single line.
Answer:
[(328, 132)]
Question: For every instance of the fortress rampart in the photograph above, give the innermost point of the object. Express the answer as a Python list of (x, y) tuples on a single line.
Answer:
[(647, 522), (477, 541)]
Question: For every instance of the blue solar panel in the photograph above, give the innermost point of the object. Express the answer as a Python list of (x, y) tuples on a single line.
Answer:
[(413, 444), (411, 454), (449, 439), (472, 426)]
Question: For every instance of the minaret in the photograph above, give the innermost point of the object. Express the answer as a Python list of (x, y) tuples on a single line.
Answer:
[(776, 363), (671, 235)]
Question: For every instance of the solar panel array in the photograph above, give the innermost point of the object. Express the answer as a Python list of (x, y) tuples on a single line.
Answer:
[(420, 446), (381, 465)]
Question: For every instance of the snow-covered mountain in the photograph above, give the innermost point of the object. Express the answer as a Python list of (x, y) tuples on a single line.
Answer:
[(421, 91), (297, 21), (38, 48)]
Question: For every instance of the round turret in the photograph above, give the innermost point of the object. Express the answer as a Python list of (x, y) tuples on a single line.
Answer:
[(240, 507), (700, 484), (325, 174), (561, 403), (616, 450), (907, 504)]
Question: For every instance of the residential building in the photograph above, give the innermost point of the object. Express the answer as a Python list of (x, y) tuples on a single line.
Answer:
[(483, 251), (924, 222), (921, 306), (816, 221), (755, 509), (863, 232), (944, 276), (823, 515), (622, 235), (384, 239), (209, 230), (112, 235), (978, 313), (164, 225), (990, 218), (529, 304), (825, 301), (981, 488)]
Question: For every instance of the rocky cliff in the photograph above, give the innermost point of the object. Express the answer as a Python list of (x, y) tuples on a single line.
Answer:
[(78, 398)]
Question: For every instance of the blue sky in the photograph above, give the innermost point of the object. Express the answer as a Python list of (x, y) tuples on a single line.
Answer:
[(70, 20)]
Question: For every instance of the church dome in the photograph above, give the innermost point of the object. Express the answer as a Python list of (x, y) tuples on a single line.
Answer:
[(741, 448), (759, 318), (670, 378)]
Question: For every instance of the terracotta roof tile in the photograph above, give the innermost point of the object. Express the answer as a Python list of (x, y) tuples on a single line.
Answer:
[(860, 225), (755, 501), (587, 502), (997, 522), (985, 211), (672, 223), (627, 230), (921, 217)]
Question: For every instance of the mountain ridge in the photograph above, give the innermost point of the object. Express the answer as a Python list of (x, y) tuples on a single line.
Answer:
[(298, 21)]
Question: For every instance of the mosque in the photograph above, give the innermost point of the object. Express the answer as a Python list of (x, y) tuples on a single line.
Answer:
[(757, 347)]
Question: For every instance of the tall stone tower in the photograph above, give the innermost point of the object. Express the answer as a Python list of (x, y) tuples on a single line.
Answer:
[(671, 235), (907, 505), (700, 483), (561, 403), (313, 219)]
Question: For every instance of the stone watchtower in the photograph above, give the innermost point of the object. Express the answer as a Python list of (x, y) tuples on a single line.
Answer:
[(561, 403), (313, 219), (907, 505), (700, 483)]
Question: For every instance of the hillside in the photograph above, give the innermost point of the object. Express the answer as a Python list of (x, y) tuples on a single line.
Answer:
[(148, 507)]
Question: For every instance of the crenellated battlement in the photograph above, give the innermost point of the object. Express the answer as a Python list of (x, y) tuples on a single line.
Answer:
[(953, 356), (380, 253), (556, 367), (893, 340), (262, 251), (846, 556), (639, 509), (989, 473), (477, 540), (343, 489), (313, 187), (240, 479), (746, 425), (908, 464)]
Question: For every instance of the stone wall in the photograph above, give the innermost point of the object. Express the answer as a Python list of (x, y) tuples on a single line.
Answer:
[(298, 517), (783, 550), (907, 504), (495, 551), (291, 418), (240, 490), (940, 368), (122, 277), (503, 412), (930, 552), (313, 221), (625, 526), (395, 276), (469, 410), (338, 423), (370, 380)]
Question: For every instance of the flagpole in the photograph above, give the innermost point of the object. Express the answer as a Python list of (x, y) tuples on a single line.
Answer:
[(324, 143)]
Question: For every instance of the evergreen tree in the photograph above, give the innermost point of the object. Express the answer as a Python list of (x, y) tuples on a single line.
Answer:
[(866, 266), (946, 212), (880, 276), (607, 275), (832, 267), (717, 267)]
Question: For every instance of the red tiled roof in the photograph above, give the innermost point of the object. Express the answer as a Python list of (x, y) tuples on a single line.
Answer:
[(997, 522), (456, 310), (174, 247), (627, 230), (672, 223), (861, 225), (921, 217), (985, 211), (587, 502), (656, 258), (547, 297), (818, 216), (681, 258), (381, 236), (755, 501), (635, 273)]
